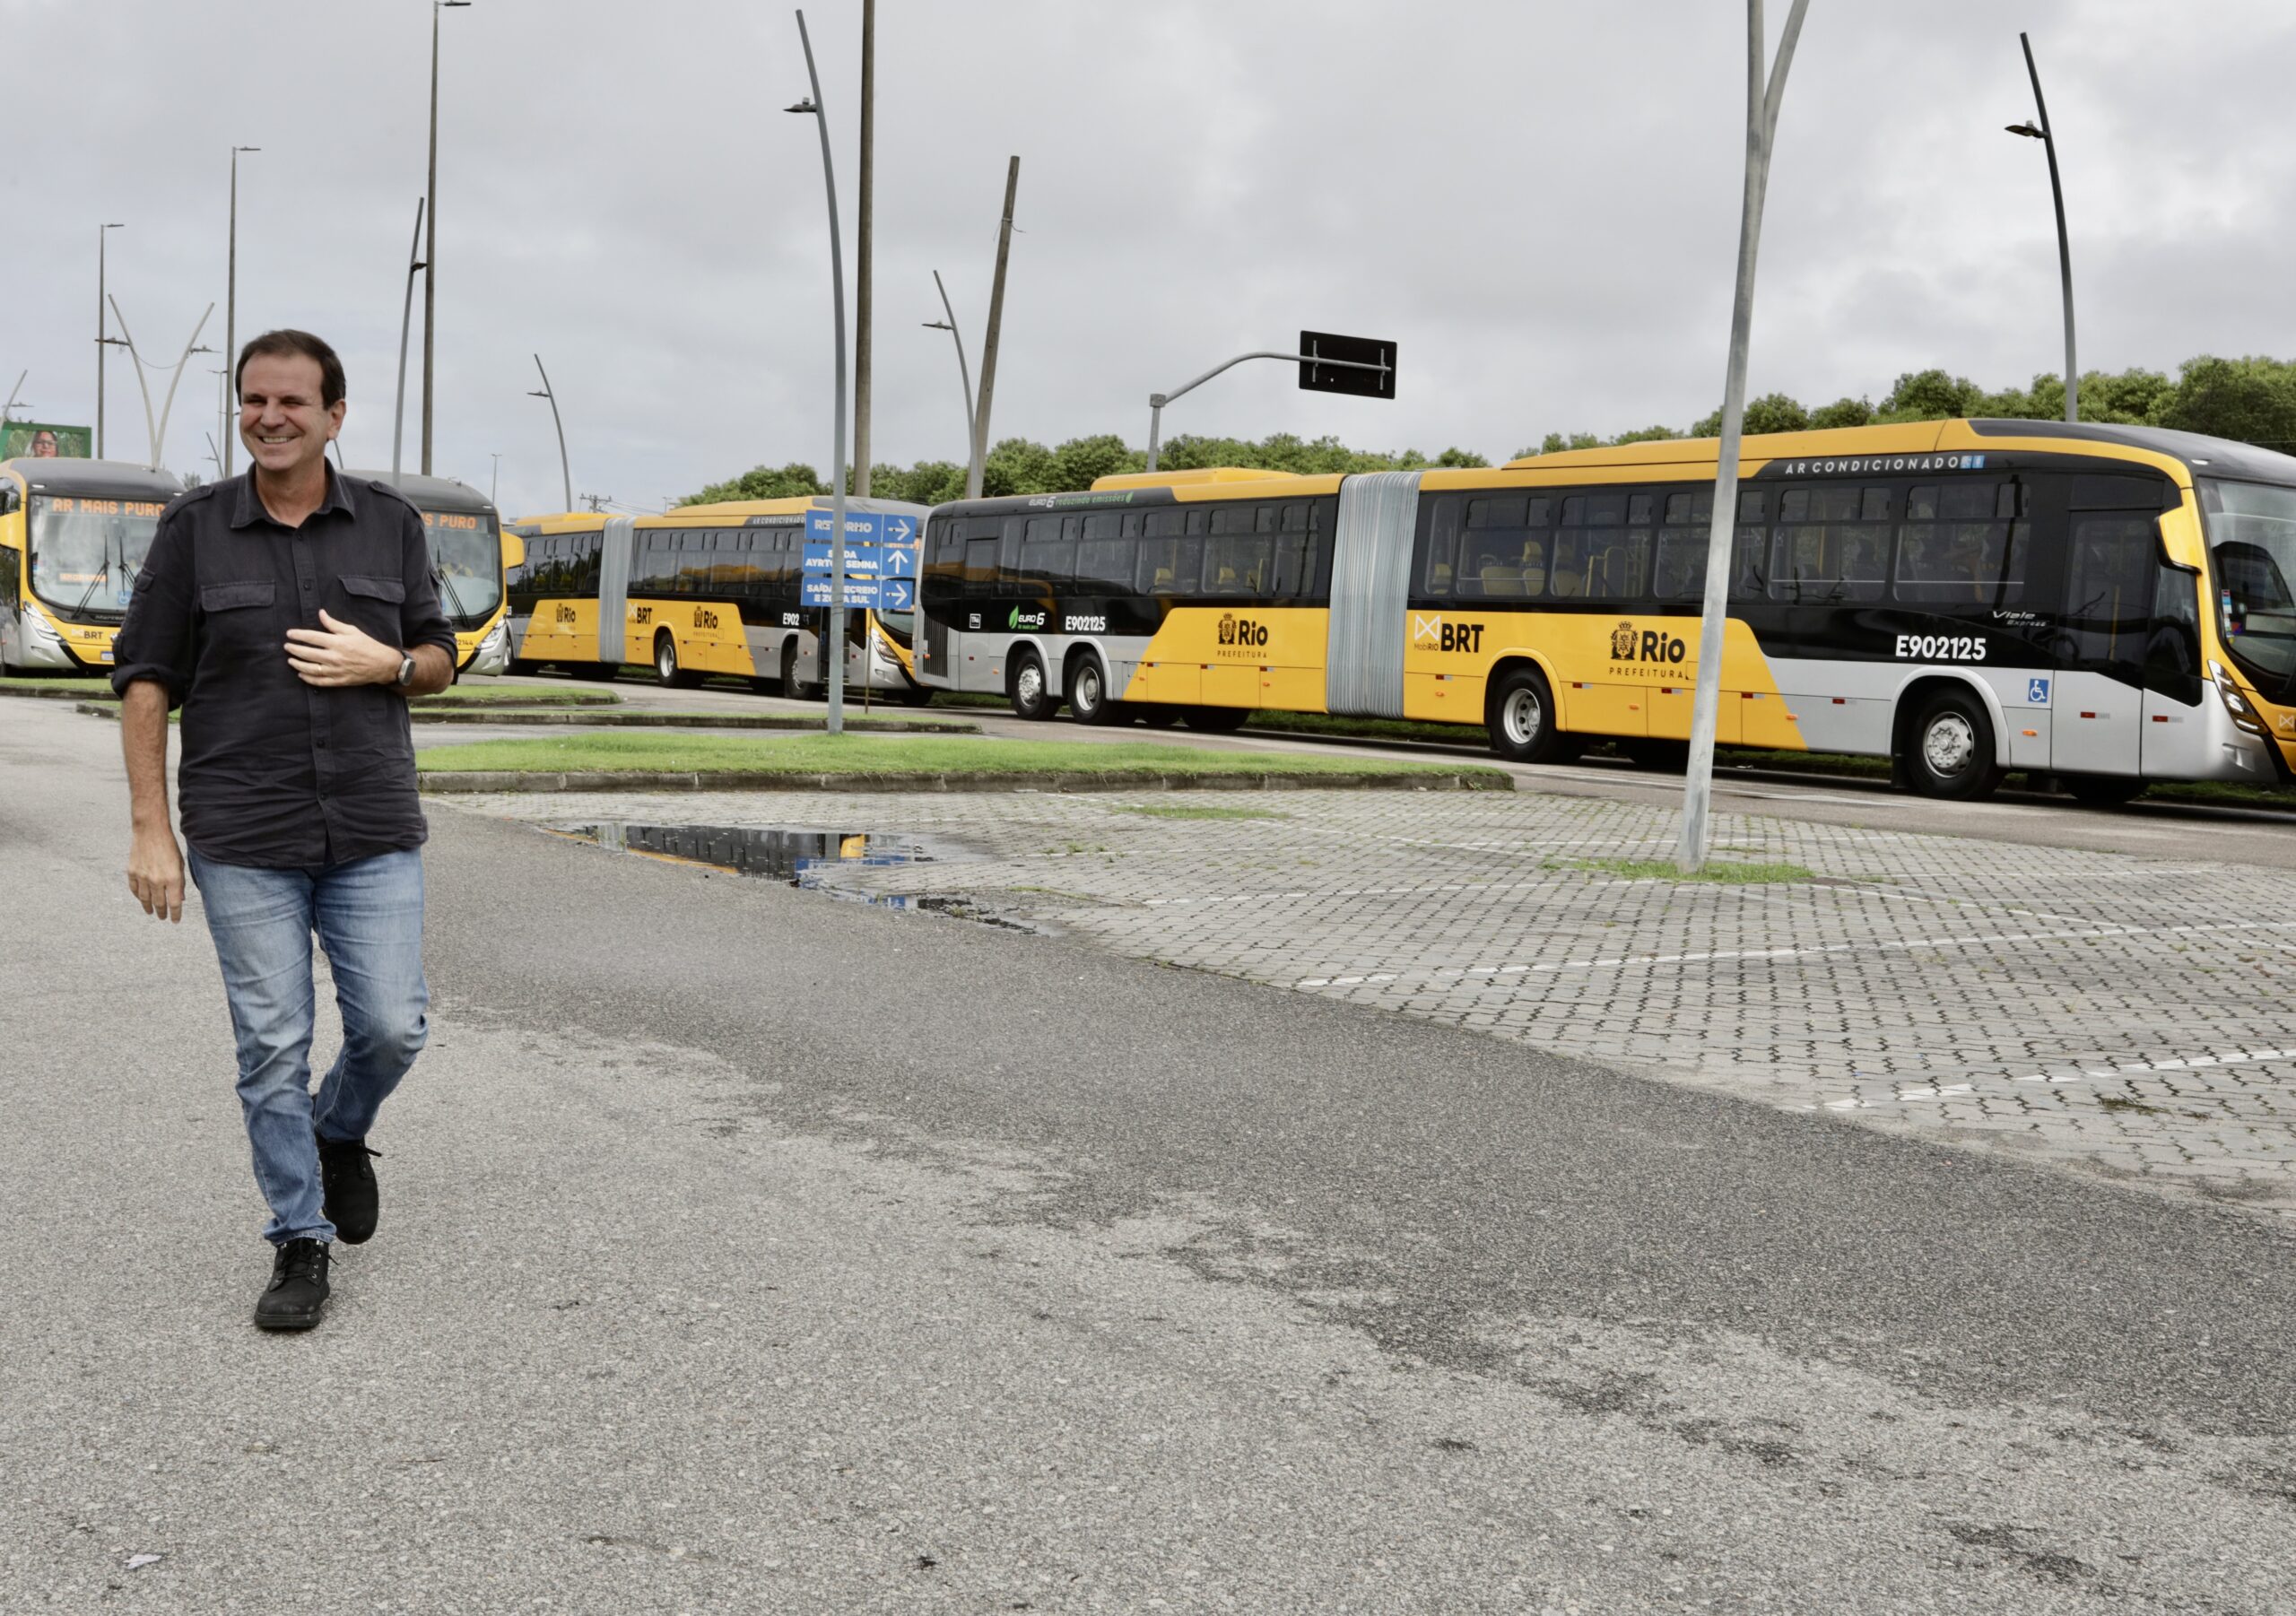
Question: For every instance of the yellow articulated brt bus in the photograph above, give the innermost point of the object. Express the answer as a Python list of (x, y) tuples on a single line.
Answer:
[(700, 589), (2103, 605), (467, 559), (73, 536)]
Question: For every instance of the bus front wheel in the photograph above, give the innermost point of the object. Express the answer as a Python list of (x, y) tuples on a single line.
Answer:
[(1522, 719), (1030, 692), (1950, 753)]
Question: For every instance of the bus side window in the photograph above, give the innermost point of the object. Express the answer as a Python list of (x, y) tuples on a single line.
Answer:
[(1047, 553), (1439, 545), (2109, 586), (1963, 545), (980, 566), (1104, 561), (1236, 555), (2173, 650)]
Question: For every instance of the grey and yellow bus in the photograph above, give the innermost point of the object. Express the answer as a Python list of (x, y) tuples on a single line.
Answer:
[(699, 590), (73, 536), (2099, 606), (467, 559)]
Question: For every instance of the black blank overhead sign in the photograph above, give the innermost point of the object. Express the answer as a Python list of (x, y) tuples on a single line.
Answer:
[(1345, 379)]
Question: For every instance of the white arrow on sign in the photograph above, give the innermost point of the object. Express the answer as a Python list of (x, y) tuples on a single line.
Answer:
[(899, 562), (894, 594), (899, 529)]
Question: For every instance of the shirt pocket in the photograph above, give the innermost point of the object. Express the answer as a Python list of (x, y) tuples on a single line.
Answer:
[(241, 620), (373, 605)]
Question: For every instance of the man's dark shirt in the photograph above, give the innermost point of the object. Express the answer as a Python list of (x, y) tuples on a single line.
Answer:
[(277, 773)]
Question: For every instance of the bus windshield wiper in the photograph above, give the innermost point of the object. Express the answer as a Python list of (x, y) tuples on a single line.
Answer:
[(453, 593), (102, 572)]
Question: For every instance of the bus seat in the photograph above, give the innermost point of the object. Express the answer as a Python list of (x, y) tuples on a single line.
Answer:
[(1502, 580), (1439, 578)]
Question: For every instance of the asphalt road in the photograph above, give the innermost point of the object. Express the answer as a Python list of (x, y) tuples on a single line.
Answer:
[(745, 1250)]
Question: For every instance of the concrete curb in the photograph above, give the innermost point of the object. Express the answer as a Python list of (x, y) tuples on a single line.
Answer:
[(56, 695), (446, 782), (626, 718)]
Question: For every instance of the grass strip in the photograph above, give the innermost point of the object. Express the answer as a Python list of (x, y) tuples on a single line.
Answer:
[(863, 754), (516, 695)]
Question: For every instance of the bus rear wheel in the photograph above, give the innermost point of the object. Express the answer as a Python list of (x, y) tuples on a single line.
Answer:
[(1088, 701), (790, 687), (1522, 719), (1950, 751), (1216, 720), (666, 670), (2100, 790), (1029, 691)]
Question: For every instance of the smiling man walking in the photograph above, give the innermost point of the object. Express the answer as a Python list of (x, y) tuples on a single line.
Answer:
[(291, 611)]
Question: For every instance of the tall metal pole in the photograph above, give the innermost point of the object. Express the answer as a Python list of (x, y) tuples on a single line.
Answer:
[(231, 290), (405, 318), (995, 333), (9, 408), (430, 245), (103, 334), (2064, 243), (833, 642), (564, 471), (158, 428), (964, 376), (862, 248), (494, 479), (1764, 95)]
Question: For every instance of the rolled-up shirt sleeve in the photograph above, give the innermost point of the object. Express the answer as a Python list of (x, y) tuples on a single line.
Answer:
[(158, 641), (422, 622)]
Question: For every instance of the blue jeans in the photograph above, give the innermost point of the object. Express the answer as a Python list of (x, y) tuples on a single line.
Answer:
[(369, 917)]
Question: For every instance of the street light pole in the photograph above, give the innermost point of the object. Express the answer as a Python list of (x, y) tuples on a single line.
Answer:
[(964, 376), (103, 333), (863, 290), (563, 470), (231, 289), (158, 428), (1157, 401), (832, 642), (1764, 93), (405, 320), (431, 247), (494, 479), (996, 331), (2064, 243)]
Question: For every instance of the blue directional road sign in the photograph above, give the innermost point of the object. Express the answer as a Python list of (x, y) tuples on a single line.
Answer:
[(861, 527), (861, 560), (859, 591), (896, 594)]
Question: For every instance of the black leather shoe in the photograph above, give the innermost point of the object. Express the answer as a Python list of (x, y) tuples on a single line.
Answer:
[(353, 1200), (297, 1294)]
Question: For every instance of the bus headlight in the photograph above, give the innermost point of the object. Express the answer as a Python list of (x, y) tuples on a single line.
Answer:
[(2244, 712), (36, 624)]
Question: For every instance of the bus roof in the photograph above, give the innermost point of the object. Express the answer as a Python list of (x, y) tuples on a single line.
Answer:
[(432, 493), (1196, 476), (733, 511), (122, 479), (2185, 451)]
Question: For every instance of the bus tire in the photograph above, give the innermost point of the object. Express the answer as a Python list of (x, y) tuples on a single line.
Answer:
[(1089, 702), (915, 695), (2101, 790), (1521, 720), (1949, 749), (790, 687), (1029, 690), (1216, 720), (666, 670)]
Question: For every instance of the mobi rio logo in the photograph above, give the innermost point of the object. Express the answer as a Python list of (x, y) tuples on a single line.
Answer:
[(1630, 644), (1446, 636), (1242, 632), (1026, 620)]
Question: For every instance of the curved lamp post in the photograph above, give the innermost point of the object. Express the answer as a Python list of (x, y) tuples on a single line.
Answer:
[(964, 376), (2064, 245), (544, 392), (832, 642)]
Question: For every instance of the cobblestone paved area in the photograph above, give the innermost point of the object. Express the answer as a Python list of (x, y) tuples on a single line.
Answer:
[(2122, 1016)]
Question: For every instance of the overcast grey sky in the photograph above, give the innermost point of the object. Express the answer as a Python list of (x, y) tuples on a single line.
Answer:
[(1536, 200)]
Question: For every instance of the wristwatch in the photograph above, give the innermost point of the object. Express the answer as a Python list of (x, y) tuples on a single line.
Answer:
[(405, 672)]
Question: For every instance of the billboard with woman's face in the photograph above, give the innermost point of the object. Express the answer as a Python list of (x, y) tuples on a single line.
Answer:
[(37, 440)]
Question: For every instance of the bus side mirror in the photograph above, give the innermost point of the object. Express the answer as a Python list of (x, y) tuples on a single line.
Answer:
[(514, 551)]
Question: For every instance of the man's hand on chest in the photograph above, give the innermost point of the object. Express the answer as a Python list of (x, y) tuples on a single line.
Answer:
[(337, 652)]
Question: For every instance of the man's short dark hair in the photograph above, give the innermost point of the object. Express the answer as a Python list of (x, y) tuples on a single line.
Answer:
[(286, 343)]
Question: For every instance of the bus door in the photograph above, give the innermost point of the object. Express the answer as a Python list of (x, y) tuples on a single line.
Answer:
[(2098, 705), (11, 578), (945, 559)]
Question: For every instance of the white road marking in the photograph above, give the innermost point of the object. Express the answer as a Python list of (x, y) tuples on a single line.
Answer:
[(2246, 1057)]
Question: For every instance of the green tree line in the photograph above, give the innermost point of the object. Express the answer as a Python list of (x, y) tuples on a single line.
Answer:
[(2251, 399)]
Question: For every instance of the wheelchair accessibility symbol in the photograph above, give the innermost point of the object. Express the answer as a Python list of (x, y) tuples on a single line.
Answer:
[(2037, 692)]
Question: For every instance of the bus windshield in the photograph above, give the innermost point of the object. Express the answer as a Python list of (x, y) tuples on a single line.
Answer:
[(85, 553), (466, 553), (2252, 558), (899, 627)]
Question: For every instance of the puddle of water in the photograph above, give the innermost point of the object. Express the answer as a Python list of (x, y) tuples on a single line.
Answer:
[(804, 858)]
